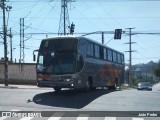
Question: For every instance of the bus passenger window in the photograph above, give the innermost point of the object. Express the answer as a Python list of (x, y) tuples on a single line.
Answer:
[(114, 57), (97, 51), (105, 53), (119, 58), (109, 55), (90, 49)]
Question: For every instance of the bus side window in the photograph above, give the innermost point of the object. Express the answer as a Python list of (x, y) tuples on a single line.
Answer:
[(119, 58), (105, 53), (114, 57), (109, 55), (97, 51), (90, 51), (122, 59)]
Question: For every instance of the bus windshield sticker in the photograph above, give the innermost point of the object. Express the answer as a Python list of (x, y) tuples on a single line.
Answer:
[(46, 44)]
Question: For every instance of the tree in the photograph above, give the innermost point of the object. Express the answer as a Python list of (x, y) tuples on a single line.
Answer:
[(157, 70)]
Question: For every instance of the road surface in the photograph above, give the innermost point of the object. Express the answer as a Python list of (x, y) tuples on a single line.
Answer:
[(81, 105)]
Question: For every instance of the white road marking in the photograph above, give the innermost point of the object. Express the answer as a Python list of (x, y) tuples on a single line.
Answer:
[(83, 117), (26, 118), (137, 119), (110, 118), (56, 116)]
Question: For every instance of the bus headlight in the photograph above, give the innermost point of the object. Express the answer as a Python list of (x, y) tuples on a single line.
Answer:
[(68, 80)]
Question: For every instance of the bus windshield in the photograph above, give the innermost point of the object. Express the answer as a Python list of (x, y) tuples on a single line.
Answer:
[(57, 56), (56, 63)]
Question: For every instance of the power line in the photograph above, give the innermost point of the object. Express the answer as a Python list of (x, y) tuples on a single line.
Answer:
[(20, 1), (86, 33)]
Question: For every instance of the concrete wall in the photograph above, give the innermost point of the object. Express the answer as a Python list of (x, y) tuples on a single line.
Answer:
[(1, 71), (24, 73)]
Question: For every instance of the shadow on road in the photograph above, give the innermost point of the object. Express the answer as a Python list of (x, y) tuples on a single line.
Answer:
[(68, 98)]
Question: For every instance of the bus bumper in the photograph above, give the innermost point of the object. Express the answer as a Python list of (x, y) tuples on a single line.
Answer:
[(61, 84)]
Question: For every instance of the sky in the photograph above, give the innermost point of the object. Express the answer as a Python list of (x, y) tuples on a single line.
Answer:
[(43, 16)]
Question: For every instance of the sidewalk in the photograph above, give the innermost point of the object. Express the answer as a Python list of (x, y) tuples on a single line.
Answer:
[(13, 86)]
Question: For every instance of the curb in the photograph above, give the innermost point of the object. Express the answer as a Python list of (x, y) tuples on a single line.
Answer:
[(18, 87), (11, 87)]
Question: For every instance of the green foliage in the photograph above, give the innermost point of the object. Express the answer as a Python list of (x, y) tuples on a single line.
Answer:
[(157, 71), (142, 79)]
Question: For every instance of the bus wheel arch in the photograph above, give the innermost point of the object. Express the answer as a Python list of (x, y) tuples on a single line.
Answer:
[(116, 81), (88, 83)]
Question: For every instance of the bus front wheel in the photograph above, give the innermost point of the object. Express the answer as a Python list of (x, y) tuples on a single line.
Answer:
[(57, 89)]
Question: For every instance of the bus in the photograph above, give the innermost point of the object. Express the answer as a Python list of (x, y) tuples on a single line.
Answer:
[(78, 63)]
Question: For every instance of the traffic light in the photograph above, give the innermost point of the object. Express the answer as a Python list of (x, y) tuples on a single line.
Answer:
[(72, 28), (118, 33)]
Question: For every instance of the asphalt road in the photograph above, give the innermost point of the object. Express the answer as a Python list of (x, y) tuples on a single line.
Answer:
[(45, 99)]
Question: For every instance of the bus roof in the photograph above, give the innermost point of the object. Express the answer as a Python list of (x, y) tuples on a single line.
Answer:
[(78, 37), (61, 37)]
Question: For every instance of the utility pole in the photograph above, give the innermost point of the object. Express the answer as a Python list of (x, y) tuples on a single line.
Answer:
[(130, 55), (65, 9), (102, 37), (22, 55), (10, 35), (5, 45), (64, 24)]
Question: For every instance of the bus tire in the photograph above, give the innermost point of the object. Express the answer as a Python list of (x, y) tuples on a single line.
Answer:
[(57, 89), (114, 87), (116, 84), (93, 88)]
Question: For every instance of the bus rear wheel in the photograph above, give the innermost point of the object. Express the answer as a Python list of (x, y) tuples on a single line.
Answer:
[(111, 87)]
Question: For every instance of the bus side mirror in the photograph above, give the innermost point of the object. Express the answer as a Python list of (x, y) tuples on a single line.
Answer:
[(34, 57)]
